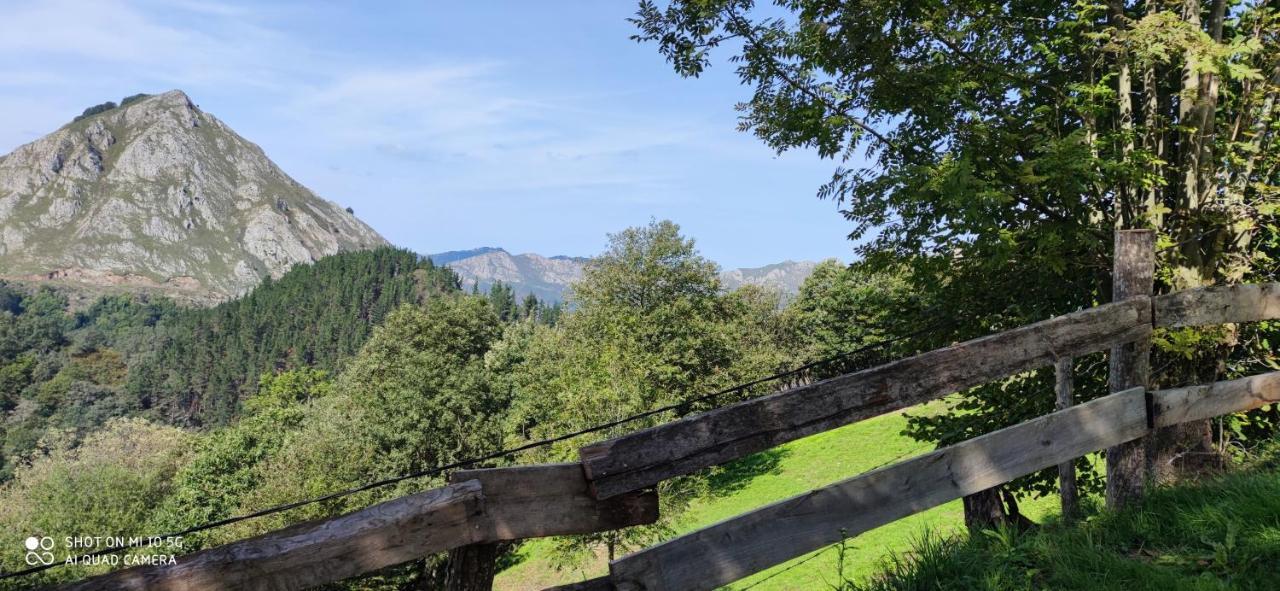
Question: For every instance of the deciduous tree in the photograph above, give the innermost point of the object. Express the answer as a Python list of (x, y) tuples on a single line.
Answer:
[(990, 149)]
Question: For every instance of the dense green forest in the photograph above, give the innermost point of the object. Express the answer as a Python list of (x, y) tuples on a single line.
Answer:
[(147, 357), (204, 361)]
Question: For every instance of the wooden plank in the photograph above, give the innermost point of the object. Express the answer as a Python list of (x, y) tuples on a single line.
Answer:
[(732, 549), (1181, 405), (310, 554), (642, 459), (520, 502), (1068, 493), (552, 500), (1224, 304), (1129, 364)]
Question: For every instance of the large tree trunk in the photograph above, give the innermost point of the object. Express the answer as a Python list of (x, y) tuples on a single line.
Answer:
[(471, 568), (984, 509), (1187, 450), (993, 508), (1129, 210), (1153, 136), (1183, 451)]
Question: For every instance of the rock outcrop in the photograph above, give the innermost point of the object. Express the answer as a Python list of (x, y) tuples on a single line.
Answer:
[(158, 194)]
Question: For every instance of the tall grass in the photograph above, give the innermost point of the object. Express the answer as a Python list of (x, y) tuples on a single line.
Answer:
[(1220, 533)]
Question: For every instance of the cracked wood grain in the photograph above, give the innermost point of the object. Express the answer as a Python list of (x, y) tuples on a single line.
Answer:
[(481, 506), (1225, 304), (1183, 405), (317, 552)]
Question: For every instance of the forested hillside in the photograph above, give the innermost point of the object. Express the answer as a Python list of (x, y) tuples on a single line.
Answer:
[(316, 315), (147, 357)]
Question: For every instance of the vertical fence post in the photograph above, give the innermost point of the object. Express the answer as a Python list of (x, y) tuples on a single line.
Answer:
[(471, 568), (1067, 491), (1132, 276)]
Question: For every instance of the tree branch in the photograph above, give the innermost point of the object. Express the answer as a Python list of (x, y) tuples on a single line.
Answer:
[(745, 30), (1017, 80)]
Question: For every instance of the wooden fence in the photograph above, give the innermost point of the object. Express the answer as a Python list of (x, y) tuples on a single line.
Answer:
[(612, 486)]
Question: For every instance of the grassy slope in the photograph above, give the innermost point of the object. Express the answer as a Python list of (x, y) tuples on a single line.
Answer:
[(789, 470), (1219, 534)]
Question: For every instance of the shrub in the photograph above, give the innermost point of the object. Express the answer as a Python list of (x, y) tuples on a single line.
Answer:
[(128, 100), (94, 110), (107, 486)]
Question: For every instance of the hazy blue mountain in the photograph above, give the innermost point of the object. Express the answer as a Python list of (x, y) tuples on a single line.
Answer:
[(549, 277), (444, 258)]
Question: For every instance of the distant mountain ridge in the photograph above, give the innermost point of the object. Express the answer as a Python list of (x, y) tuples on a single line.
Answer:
[(156, 194), (545, 277), (549, 277), (444, 258), (786, 277)]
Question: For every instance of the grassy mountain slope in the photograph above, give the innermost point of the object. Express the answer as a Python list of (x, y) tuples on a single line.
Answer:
[(1216, 535)]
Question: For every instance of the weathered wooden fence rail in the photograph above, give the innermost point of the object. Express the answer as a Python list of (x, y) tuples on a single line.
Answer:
[(611, 487), (1226, 304), (743, 545), (481, 506)]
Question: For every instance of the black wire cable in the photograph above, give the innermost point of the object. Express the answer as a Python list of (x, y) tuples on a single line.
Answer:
[(816, 554), (435, 471), (1187, 241)]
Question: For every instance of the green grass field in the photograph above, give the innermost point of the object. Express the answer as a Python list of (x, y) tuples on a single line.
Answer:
[(783, 472), (1219, 534)]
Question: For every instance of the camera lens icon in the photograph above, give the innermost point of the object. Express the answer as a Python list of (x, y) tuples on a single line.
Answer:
[(38, 550)]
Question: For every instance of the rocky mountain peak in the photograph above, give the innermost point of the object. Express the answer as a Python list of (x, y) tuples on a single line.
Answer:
[(155, 193)]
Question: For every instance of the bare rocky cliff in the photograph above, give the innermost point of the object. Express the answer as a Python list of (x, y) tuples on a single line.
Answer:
[(545, 277), (160, 195)]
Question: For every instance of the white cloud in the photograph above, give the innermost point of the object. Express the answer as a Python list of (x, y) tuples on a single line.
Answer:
[(104, 39), (489, 131), (465, 126), (409, 105)]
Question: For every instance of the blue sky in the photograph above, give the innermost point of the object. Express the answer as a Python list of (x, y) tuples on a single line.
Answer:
[(535, 126)]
